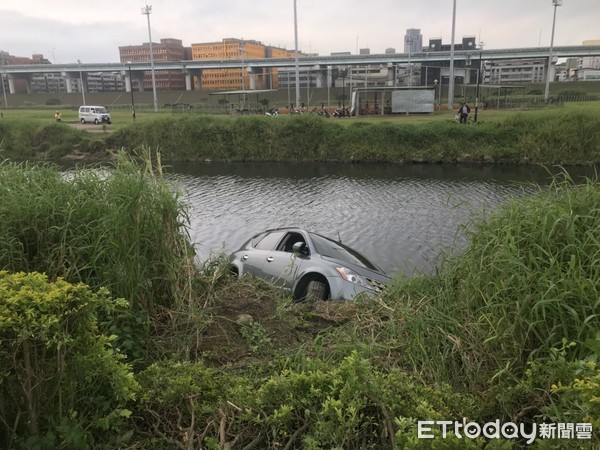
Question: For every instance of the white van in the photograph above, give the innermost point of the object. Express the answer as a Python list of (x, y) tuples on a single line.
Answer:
[(95, 114)]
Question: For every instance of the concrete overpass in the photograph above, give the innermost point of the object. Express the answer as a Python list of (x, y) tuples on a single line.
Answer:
[(317, 63)]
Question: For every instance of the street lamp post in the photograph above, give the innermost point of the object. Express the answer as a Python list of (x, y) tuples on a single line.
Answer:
[(3, 90), (555, 3), (451, 80), (131, 90), (243, 102), (344, 73), (81, 80), (435, 98), (297, 67), (479, 74), (410, 73), (147, 10), (288, 92)]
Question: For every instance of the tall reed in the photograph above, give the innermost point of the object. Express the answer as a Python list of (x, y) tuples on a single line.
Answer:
[(123, 228), (529, 279)]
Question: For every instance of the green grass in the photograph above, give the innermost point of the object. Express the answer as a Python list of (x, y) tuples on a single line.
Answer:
[(560, 135), (123, 118)]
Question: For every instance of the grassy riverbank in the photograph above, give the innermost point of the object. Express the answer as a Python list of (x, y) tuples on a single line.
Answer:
[(192, 358), (563, 135)]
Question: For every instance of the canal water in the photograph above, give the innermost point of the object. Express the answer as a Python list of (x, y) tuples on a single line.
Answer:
[(400, 216)]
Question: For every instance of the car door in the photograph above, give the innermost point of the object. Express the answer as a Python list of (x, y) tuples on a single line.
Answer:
[(281, 266), (255, 258)]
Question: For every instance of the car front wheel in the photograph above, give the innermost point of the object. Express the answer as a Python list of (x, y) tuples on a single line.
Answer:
[(316, 289)]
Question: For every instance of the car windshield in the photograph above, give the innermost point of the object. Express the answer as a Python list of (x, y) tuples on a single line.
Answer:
[(101, 110), (337, 250)]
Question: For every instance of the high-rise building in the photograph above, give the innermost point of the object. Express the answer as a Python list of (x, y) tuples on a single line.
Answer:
[(413, 41), (166, 50), (588, 68), (506, 71)]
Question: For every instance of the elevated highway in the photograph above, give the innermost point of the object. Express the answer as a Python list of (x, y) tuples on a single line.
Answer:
[(195, 67), (310, 61)]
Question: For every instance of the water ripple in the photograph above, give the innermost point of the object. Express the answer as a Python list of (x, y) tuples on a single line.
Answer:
[(400, 222)]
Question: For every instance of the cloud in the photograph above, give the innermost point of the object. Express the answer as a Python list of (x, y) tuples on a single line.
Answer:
[(94, 33)]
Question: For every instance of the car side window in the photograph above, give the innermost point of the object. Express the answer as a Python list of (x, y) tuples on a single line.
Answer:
[(288, 242), (270, 241)]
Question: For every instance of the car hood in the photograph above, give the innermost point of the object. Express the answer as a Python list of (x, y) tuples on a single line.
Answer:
[(380, 276)]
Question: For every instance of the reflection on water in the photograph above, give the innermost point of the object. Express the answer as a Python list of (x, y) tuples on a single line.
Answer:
[(400, 216)]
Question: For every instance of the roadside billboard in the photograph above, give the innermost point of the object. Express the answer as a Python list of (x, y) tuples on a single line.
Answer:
[(409, 101)]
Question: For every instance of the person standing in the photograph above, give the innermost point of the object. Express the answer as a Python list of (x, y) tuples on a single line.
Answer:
[(58, 116), (464, 111)]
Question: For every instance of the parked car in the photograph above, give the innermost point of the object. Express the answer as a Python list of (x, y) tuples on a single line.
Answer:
[(95, 114), (308, 265)]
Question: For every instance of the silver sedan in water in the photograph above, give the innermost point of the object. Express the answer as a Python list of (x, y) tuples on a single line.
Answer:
[(308, 264)]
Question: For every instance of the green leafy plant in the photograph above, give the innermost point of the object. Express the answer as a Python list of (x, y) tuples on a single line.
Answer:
[(62, 381)]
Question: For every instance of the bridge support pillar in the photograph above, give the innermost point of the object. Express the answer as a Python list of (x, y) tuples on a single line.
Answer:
[(320, 76), (260, 77), (251, 74), (11, 84), (391, 75), (127, 79), (193, 79), (329, 76), (68, 83), (80, 77)]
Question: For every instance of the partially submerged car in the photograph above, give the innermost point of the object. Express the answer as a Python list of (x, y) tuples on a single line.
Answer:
[(308, 265)]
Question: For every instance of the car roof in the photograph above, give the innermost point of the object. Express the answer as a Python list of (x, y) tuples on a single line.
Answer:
[(282, 229)]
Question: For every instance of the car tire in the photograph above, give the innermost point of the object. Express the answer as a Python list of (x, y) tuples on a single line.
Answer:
[(316, 289), (82, 121), (96, 121)]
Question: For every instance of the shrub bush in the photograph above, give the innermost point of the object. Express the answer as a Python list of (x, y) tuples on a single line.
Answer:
[(63, 383)]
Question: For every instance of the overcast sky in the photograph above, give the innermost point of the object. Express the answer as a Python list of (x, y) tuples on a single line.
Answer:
[(67, 30)]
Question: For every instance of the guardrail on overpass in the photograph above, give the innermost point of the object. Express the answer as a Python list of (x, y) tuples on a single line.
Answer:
[(308, 61)]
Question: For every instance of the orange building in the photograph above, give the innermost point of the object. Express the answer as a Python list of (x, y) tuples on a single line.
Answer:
[(238, 49)]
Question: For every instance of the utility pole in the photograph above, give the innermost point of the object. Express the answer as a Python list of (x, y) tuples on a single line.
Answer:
[(81, 80), (147, 10), (547, 90), (451, 79), (243, 105), (296, 57)]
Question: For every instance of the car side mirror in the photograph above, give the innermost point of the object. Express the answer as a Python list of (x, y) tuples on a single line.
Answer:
[(300, 247)]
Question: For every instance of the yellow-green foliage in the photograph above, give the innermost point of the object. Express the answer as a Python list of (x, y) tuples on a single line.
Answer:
[(313, 405), (62, 382), (578, 400)]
